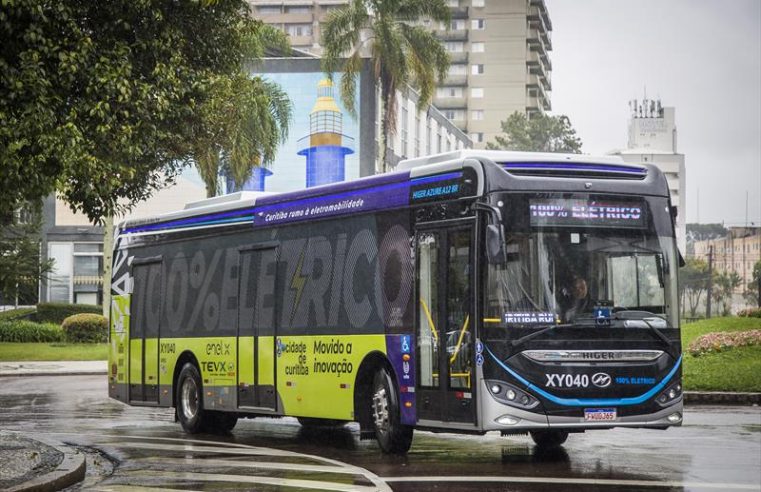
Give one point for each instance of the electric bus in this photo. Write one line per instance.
(467, 292)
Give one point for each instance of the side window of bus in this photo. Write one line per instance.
(145, 309)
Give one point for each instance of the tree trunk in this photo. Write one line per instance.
(108, 249)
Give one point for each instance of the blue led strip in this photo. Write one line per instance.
(236, 216)
(436, 178)
(564, 166)
(577, 402)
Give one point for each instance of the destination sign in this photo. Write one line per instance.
(559, 212)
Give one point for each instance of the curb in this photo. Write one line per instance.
(721, 398)
(69, 472)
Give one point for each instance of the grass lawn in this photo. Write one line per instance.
(53, 351)
(736, 369)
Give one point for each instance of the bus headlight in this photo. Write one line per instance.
(670, 395)
(511, 395)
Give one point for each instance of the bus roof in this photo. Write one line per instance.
(379, 191)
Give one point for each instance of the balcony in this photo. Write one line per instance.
(540, 19)
(459, 12)
(456, 80)
(451, 102)
(458, 56)
(535, 41)
(453, 35)
(535, 64)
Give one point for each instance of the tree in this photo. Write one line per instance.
(751, 291)
(540, 133)
(99, 100)
(402, 52)
(724, 285)
(247, 119)
(693, 282)
(20, 265)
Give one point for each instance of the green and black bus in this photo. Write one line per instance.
(470, 291)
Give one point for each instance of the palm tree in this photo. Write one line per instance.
(402, 52)
(245, 120)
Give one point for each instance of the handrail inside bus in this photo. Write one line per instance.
(459, 340)
(430, 320)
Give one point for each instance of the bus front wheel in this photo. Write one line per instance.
(549, 439)
(393, 436)
(189, 396)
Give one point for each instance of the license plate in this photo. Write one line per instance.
(599, 414)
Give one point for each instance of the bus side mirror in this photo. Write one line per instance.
(495, 245)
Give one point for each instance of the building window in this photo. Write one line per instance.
(477, 92)
(477, 69)
(298, 29)
(78, 273)
(438, 143)
(405, 126)
(478, 3)
(477, 24)
(453, 3)
(457, 25)
(477, 137)
(449, 92)
(417, 133)
(458, 70)
(268, 10)
(453, 114)
(477, 47)
(428, 136)
(454, 46)
(477, 114)
(298, 10)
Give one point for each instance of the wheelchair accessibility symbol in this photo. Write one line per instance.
(405, 344)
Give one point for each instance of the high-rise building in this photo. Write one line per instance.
(500, 64)
(499, 51)
(652, 139)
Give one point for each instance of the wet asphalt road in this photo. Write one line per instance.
(131, 448)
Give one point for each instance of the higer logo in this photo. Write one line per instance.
(601, 380)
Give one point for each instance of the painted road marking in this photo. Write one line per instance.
(247, 464)
(577, 481)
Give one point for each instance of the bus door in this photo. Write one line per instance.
(256, 327)
(444, 320)
(145, 330)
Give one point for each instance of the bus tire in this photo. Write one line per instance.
(221, 422)
(548, 439)
(189, 396)
(392, 436)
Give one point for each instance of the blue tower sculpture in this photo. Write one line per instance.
(254, 183)
(327, 146)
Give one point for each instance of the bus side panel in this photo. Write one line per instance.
(117, 350)
(316, 374)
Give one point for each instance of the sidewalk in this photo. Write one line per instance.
(38, 464)
(53, 368)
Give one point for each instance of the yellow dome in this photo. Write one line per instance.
(325, 101)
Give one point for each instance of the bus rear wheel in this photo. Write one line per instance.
(548, 439)
(393, 436)
(189, 399)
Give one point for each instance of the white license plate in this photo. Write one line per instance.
(599, 414)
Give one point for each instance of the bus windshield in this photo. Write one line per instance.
(580, 259)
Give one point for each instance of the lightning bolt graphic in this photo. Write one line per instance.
(298, 281)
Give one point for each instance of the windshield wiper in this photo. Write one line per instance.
(640, 316)
(544, 329)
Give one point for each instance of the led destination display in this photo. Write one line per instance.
(559, 212)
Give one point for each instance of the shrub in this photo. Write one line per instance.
(56, 312)
(24, 331)
(17, 313)
(85, 328)
(720, 341)
(750, 313)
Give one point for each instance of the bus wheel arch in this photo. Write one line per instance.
(376, 383)
(184, 358)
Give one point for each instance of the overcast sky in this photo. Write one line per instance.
(701, 57)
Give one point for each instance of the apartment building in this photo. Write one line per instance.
(499, 51)
(500, 64)
(737, 252)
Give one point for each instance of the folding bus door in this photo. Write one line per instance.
(256, 327)
(446, 389)
(145, 330)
